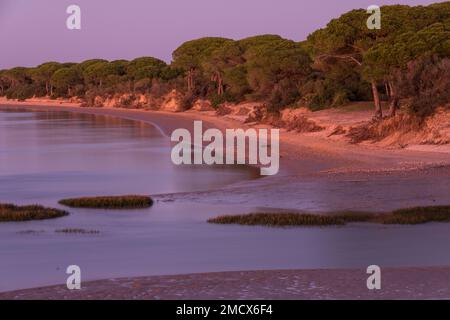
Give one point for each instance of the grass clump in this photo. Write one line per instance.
(379, 130)
(109, 202)
(418, 215)
(77, 231)
(354, 216)
(11, 212)
(30, 232)
(409, 216)
(278, 219)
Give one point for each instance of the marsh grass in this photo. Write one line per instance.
(418, 215)
(77, 231)
(109, 202)
(30, 232)
(278, 219)
(407, 216)
(11, 212)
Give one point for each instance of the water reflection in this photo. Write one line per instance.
(47, 155)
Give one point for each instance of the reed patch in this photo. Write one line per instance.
(77, 231)
(408, 216)
(10, 212)
(109, 202)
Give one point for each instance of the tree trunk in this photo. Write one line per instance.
(46, 88)
(393, 104)
(219, 85)
(386, 88)
(190, 80)
(376, 101)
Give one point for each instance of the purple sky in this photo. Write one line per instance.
(34, 31)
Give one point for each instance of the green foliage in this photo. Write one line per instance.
(406, 34)
(277, 70)
(65, 79)
(24, 92)
(85, 64)
(192, 57)
(120, 67)
(260, 40)
(17, 83)
(191, 54)
(170, 73)
(217, 100)
(4, 83)
(42, 75)
(337, 86)
(97, 73)
(342, 62)
(18, 76)
(145, 67)
(236, 83)
(426, 81)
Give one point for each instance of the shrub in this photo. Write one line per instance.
(187, 100)
(303, 124)
(217, 100)
(426, 82)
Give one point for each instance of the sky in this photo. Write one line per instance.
(34, 31)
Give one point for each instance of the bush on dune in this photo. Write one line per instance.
(377, 131)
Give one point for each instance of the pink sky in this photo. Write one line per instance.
(32, 32)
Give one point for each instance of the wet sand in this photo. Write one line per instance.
(396, 283)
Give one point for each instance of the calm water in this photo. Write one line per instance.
(46, 156)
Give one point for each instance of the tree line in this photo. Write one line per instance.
(406, 60)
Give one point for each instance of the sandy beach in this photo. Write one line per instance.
(342, 156)
(304, 157)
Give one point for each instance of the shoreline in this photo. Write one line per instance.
(346, 157)
(304, 158)
(334, 284)
(309, 160)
